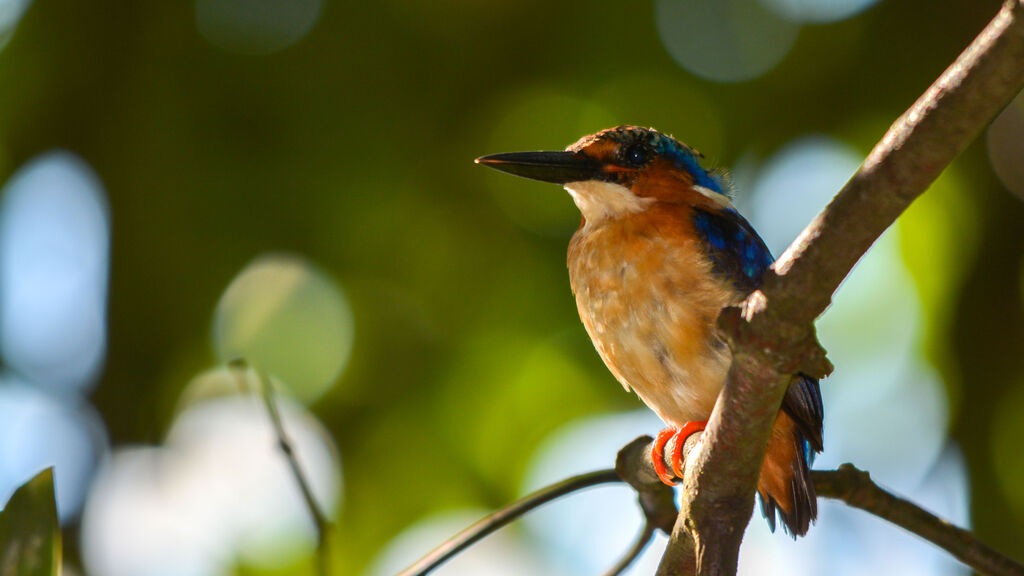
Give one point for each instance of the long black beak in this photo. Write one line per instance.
(556, 167)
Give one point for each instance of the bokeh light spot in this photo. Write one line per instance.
(220, 492)
(216, 383)
(724, 40)
(38, 431)
(818, 11)
(230, 445)
(134, 525)
(794, 185)
(500, 554)
(54, 244)
(586, 532)
(1005, 140)
(288, 318)
(10, 13)
(255, 26)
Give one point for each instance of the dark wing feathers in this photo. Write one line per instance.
(803, 403)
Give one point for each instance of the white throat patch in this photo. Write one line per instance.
(599, 200)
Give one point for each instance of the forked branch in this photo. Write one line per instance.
(772, 334)
(634, 467)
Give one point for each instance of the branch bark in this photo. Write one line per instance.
(855, 488)
(634, 467)
(772, 334)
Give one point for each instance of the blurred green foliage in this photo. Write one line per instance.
(29, 535)
(354, 148)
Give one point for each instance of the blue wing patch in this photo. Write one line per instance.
(736, 251)
(739, 255)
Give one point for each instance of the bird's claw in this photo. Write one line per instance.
(676, 457)
(657, 455)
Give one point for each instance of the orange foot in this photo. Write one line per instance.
(658, 450)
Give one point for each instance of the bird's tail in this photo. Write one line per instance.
(785, 482)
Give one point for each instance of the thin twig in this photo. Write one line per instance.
(320, 521)
(855, 488)
(634, 551)
(496, 520)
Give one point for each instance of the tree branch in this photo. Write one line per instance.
(772, 335)
(634, 467)
(856, 488)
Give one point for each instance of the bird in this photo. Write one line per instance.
(659, 252)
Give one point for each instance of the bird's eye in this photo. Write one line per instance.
(635, 155)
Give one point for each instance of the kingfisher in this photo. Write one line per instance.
(659, 252)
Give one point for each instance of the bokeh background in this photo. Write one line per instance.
(292, 181)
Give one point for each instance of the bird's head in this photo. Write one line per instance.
(620, 171)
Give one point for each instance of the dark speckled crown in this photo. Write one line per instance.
(684, 157)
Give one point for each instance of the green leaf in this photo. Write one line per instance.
(29, 534)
